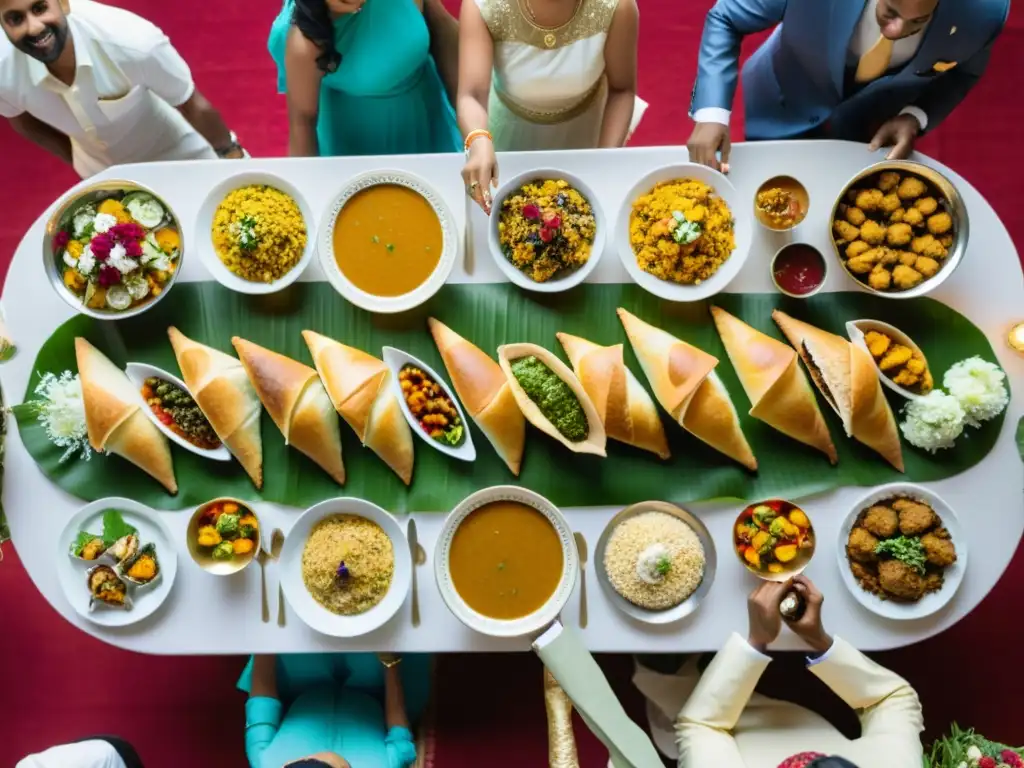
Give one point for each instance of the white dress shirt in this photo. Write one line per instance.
(121, 106)
(865, 35)
(84, 754)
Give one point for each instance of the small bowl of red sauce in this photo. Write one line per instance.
(799, 270)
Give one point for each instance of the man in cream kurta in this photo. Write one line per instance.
(99, 86)
(719, 721)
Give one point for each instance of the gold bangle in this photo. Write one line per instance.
(391, 662)
(474, 135)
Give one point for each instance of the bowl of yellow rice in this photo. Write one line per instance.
(547, 230)
(683, 234)
(255, 233)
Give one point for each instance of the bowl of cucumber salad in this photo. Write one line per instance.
(112, 249)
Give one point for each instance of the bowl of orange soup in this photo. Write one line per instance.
(387, 241)
(506, 561)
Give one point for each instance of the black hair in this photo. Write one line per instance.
(313, 20)
(831, 762)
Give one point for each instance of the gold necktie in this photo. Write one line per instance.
(875, 61)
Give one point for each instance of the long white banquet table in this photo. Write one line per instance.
(209, 615)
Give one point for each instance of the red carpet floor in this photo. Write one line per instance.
(58, 684)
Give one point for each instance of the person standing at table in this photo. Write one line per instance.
(94, 752)
(99, 86)
(363, 77)
(878, 71)
(544, 74)
(720, 721)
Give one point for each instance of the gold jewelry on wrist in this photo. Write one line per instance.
(474, 135)
(394, 661)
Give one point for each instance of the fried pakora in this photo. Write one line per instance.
(913, 217)
(868, 199)
(915, 517)
(855, 215)
(906, 258)
(940, 223)
(905, 278)
(897, 216)
(926, 205)
(939, 550)
(878, 344)
(898, 234)
(872, 233)
(926, 266)
(861, 545)
(888, 181)
(879, 278)
(927, 245)
(896, 357)
(889, 203)
(844, 230)
(910, 188)
(900, 580)
(881, 521)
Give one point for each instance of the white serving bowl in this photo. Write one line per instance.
(543, 616)
(954, 574)
(138, 373)
(741, 213)
(856, 329)
(568, 280)
(420, 294)
(204, 228)
(396, 359)
(308, 609)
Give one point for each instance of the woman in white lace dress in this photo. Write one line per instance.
(544, 74)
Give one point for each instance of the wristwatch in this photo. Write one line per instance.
(234, 146)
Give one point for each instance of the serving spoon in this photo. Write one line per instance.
(276, 545)
(581, 546)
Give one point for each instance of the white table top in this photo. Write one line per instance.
(210, 615)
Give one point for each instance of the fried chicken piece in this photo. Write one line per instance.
(897, 216)
(906, 258)
(910, 188)
(880, 278)
(872, 233)
(939, 551)
(926, 266)
(906, 277)
(898, 234)
(882, 521)
(913, 217)
(844, 230)
(926, 205)
(900, 580)
(862, 264)
(855, 215)
(867, 577)
(933, 581)
(906, 378)
(889, 256)
(888, 181)
(856, 248)
(896, 358)
(940, 223)
(927, 245)
(861, 545)
(915, 517)
(868, 200)
(916, 365)
(889, 203)
(878, 343)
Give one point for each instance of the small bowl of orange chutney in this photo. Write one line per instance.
(506, 562)
(387, 241)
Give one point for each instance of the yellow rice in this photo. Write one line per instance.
(280, 229)
(651, 224)
(367, 552)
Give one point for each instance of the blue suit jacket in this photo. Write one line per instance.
(794, 83)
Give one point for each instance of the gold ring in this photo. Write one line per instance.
(471, 189)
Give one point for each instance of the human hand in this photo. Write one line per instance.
(763, 612)
(481, 172)
(705, 141)
(809, 626)
(899, 132)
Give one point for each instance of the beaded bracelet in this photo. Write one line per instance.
(474, 135)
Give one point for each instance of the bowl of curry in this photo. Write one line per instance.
(506, 562)
(388, 241)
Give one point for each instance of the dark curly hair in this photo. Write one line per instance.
(313, 20)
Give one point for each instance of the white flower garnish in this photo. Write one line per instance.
(86, 262)
(69, 259)
(103, 222)
(62, 413)
(121, 261)
(82, 220)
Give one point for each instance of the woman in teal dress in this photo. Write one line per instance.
(334, 710)
(361, 78)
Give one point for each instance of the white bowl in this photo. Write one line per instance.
(138, 373)
(204, 229)
(954, 574)
(415, 297)
(396, 359)
(566, 281)
(308, 609)
(856, 329)
(543, 616)
(741, 213)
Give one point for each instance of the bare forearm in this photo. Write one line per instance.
(43, 135)
(444, 45)
(202, 116)
(472, 112)
(302, 139)
(618, 114)
(394, 699)
(264, 677)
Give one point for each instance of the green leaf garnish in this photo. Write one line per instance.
(663, 566)
(83, 538)
(906, 549)
(114, 527)
(390, 247)
(375, 239)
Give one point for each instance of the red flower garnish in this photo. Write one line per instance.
(101, 245)
(531, 212)
(124, 233)
(133, 248)
(546, 234)
(61, 240)
(108, 276)
(987, 762)
(801, 760)
(1011, 758)
(553, 222)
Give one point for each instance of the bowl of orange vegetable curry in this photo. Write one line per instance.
(223, 536)
(774, 539)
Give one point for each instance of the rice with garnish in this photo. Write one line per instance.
(367, 553)
(259, 233)
(680, 557)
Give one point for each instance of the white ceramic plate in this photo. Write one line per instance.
(72, 572)
(204, 228)
(741, 212)
(138, 373)
(308, 609)
(546, 614)
(954, 574)
(564, 282)
(388, 304)
(855, 330)
(396, 359)
(691, 603)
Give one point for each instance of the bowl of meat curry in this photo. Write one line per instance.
(899, 229)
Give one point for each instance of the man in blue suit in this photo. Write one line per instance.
(864, 70)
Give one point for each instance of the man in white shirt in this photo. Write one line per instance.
(719, 721)
(105, 752)
(98, 86)
(863, 70)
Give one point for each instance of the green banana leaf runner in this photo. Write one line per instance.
(489, 315)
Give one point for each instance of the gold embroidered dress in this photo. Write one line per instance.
(548, 88)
